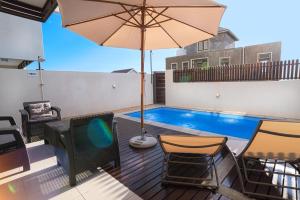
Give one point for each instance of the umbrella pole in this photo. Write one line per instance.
(142, 81)
(143, 30)
(143, 141)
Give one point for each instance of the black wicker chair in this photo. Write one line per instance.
(91, 142)
(35, 126)
(13, 152)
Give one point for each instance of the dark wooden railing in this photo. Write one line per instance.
(280, 70)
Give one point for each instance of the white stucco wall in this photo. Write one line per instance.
(76, 93)
(20, 38)
(16, 87)
(268, 98)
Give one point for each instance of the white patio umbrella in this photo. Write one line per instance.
(142, 25)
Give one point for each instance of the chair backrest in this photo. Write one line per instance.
(209, 145)
(37, 109)
(275, 140)
(26, 104)
(91, 134)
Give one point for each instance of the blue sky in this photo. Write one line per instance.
(253, 22)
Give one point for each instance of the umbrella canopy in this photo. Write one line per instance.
(143, 25)
(117, 23)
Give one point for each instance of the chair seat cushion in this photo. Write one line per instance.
(43, 119)
(38, 110)
(278, 140)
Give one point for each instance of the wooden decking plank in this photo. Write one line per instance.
(252, 176)
(128, 166)
(230, 181)
(140, 155)
(132, 165)
(230, 178)
(138, 176)
(223, 198)
(152, 192)
(176, 194)
(264, 178)
(184, 193)
(202, 195)
(125, 154)
(162, 194)
(219, 158)
(149, 185)
(135, 155)
(189, 194)
(156, 181)
(141, 177)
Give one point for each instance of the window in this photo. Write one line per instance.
(185, 65)
(224, 61)
(264, 57)
(205, 44)
(202, 45)
(174, 66)
(200, 63)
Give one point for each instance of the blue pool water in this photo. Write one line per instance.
(225, 124)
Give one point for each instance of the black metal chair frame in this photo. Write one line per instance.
(244, 169)
(15, 151)
(27, 125)
(209, 162)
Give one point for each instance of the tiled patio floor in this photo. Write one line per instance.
(46, 180)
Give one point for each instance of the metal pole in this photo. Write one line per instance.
(142, 70)
(41, 77)
(39, 63)
(151, 66)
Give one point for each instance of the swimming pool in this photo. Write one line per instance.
(224, 124)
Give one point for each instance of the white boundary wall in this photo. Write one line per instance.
(76, 93)
(263, 98)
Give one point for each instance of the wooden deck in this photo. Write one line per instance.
(141, 170)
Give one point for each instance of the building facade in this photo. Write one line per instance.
(21, 41)
(220, 50)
